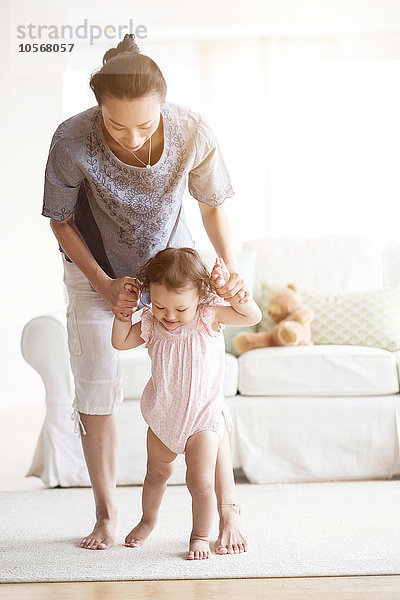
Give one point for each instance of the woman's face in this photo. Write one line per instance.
(131, 122)
(173, 308)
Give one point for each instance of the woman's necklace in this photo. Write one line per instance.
(143, 163)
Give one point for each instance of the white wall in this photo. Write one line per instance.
(238, 63)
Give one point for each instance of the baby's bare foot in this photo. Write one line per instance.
(231, 539)
(199, 548)
(139, 534)
(102, 536)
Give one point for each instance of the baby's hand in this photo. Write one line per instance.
(219, 274)
(234, 288)
(133, 288)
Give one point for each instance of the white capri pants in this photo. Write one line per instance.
(94, 362)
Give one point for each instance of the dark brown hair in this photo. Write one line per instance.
(127, 74)
(177, 268)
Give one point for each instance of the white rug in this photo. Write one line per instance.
(293, 530)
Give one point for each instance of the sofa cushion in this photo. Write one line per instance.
(136, 371)
(369, 318)
(318, 370)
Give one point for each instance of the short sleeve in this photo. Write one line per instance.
(147, 325)
(63, 178)
(208, 180)
(206, 312)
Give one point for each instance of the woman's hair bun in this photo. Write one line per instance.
(128, 44)
(127, 74)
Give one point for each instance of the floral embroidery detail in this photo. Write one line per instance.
(215, 199)
(61, 215)
(120, 183)
(140, 201)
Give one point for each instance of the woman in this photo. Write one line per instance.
(114, 182)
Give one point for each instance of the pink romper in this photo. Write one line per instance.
(185, 392)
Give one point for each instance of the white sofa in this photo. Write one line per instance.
(300, 414)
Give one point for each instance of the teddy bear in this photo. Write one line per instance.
(292, 318)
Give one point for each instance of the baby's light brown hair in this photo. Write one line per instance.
(177, 268)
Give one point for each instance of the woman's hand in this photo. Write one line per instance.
(228, 284)
(121, 295)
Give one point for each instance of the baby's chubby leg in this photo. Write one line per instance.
(159, 470)
(201, 455)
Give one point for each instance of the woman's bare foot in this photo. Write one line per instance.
(139, 534)
(230, 540)
(102, 536)
(199, 548)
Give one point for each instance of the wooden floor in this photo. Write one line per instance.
(20, 429)
(318, 588)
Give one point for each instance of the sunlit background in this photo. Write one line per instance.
(304, 98)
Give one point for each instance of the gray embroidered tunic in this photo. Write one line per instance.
(127, 214)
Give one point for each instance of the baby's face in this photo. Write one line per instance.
(173, 308)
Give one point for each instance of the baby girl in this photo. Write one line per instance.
(183, 402)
